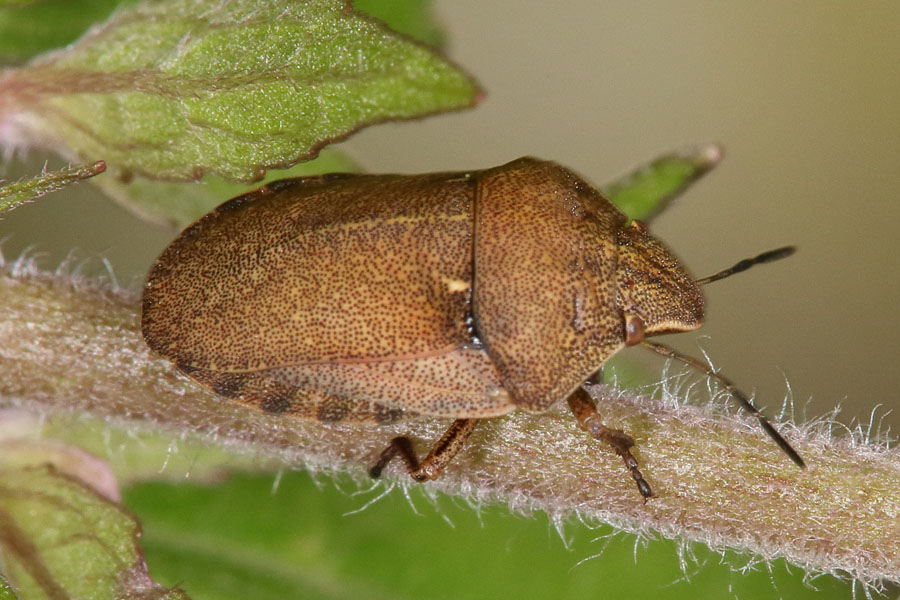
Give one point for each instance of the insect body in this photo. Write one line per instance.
(381, 297)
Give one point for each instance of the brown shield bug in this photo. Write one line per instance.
(381, 297)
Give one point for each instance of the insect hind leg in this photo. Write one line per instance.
(585, 411)
(433, 464)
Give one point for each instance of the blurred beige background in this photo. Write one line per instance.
(805, 97)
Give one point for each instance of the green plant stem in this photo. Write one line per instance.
(22, 192)
(70, 346)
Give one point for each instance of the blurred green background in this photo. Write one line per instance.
(804, 98)
(297, 539)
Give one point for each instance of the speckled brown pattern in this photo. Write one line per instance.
(545, 263)
(652, 283)
(326, 269)
(358, 297)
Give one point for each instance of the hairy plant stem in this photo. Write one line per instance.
(68, 346)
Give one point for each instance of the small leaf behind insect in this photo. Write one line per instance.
(29, 190)
(647, 190)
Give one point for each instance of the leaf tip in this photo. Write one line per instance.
(479, 95)
(704, 156)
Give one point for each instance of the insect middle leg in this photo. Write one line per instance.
(589, 419)
(439, 457)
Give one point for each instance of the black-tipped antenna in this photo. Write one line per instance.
(738, 394)
(745, 264)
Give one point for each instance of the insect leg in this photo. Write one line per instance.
(589, 419)
(439, 457)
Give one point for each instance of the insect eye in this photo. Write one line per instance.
(634, 329)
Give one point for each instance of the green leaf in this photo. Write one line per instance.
(411, 17)
(178, 204)
(647, 190)
(31, 26)
(262, 537)
(21, 192)
(60, 539)
(174, 88)
(28, 27)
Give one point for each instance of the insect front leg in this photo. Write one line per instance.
(439, 457)
(585, 411)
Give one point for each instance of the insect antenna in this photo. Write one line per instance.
(745, 264)
(735, 392)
